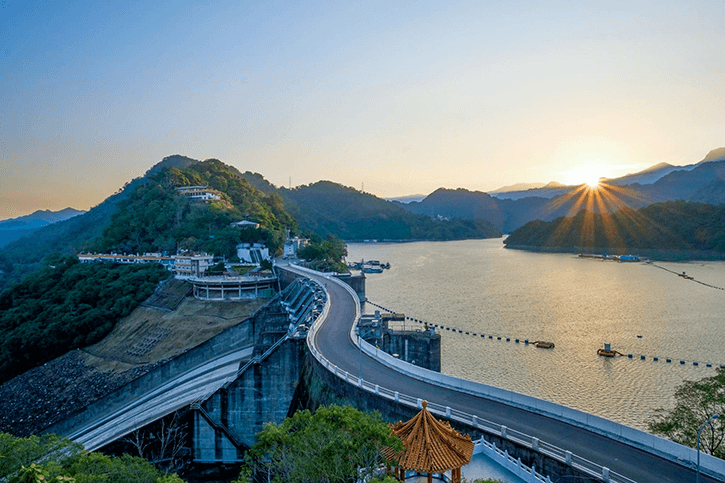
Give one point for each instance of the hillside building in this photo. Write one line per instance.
(245, 224)
(166, 261)
(292, 245)
(199, 193)
(192, 265)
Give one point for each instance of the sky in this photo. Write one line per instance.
(403, 97)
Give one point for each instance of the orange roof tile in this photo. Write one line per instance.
(431, 446)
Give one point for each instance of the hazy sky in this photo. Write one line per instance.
(405, 97)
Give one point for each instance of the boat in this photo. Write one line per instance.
(610, 353)
(543, 344)
(372, 270)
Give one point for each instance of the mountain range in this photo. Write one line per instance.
(701, 182)
(14, 228)
(149, 214)
(646, 176)
(154, 217)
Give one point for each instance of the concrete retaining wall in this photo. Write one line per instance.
(232, 339)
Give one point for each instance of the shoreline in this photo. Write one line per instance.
(651, 254)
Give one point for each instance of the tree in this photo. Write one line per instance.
(696, 401)
(161, 443)
(327, 255)
(18, 453)
(335, 443)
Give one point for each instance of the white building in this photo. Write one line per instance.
(167, 262)
(292, 245)
(201, 193)
(252, 253)
(192, 265)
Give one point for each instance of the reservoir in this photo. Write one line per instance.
(477, 286)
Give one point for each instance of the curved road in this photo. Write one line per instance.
(334, 343)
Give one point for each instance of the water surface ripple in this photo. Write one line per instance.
(579, 304)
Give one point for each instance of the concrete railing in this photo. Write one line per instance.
(634, 437)
(473, 421)
(526, 473)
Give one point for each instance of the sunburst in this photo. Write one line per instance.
(595, 197)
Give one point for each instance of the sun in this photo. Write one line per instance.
(592, 183)
(588, 174)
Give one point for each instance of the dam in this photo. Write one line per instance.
(251, 375)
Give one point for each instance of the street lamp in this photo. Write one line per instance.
(714, 416)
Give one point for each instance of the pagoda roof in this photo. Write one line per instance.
(431, 446)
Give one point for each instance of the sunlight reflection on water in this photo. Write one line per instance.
(478, 286)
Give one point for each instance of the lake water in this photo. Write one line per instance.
(579, 304)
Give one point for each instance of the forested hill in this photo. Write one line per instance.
(672, 225)
(157, 218)
(149, 215)
(330, 208)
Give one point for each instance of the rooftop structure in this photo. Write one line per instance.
(166, 261)
(233, 288)
(245, 224)
(184, 265)
(431, 446)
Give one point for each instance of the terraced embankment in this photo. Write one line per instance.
(165, 325)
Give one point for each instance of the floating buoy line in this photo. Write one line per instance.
(536, 343)
(606, 352)
(686, 277)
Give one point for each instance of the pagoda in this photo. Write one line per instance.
(431, 447)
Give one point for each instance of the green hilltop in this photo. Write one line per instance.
(672, 225)
(149, 214)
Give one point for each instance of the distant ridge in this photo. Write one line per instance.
(407, 199)
(549, 190)
(714, 155)
(517, 187)
(40, 218)
(14, 228)
(646, 176)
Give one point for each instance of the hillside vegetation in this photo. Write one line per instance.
(67, 305)
(672, 225)
(330, 208)
(148, 215)
(157, 218)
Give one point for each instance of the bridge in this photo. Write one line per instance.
(604, 450)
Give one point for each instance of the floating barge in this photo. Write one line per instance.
(616, 258)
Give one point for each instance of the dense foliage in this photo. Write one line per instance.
(67, 305)
(696, 401)
(331, 444)
(67, 237)
(157, 218)
(330, 208)
(325, 256)
(50, 459)
(672, 225)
